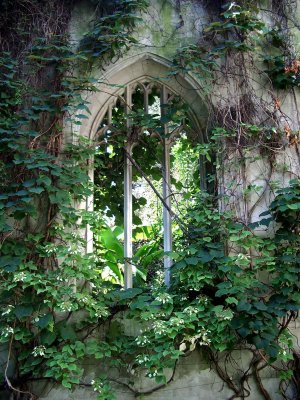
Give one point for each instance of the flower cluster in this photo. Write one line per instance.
(164, 298)
(39, 351)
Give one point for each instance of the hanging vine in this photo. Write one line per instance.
(218, 300)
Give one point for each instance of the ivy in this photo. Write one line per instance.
(217, 300)
(112, 34)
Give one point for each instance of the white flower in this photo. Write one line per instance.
(8, 330)
(142, 359)
(182, 347)
(158, 328)
(152, 374)
(142, 340)
(65, 306)
(19, 277)
(39, 351)
(8, 310)
(163, 298)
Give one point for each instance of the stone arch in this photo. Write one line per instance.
(113, 82)
(153, 67)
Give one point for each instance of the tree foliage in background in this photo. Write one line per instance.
(52, 296)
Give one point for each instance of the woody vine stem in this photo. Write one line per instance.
(218, 301)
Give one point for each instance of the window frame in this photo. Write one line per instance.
(126, 73)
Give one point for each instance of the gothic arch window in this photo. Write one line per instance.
(136, 113)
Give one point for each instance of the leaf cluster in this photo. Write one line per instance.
(52, 296)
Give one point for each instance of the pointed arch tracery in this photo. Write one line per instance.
(139, 78)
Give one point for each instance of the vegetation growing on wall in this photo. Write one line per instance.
(217, 300)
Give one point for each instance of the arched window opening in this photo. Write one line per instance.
(145, 171)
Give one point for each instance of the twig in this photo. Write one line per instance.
(7, 380)
(138, 393)
(138, 167)
(257, 377)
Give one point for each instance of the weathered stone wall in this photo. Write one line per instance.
(167, 26)
(195, 378)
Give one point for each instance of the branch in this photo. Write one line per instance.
(223, 375)
(138, 167)
(257, 377)
(7, 380)
(138, 393)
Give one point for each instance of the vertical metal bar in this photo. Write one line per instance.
(146, 100)
(166, 214)
(202, 174)
(128, 219)
(128, 201)
(90, 207)
(109, 114)
(167, 220)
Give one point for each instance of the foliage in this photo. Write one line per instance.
(235, 32)
(112, 33)
(54, 296)
(283, 74)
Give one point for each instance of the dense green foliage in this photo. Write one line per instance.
(230, 287)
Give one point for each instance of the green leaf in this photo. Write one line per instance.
(114, 268)
(260, 306)
(192, 260)
(243, 306)
(9, 264)
(44, 179)
(243, 332)
(126, 294)
(21, 193)
(82, 116)
(37, 190)
(44, 321)
(205, 256)
(67, 332)
(23, 311)
(28, 183)
(111, 242)
(66, 384)
(231, 300)
(295, 206)
(47, 338)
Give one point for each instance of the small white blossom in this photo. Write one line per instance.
(8, 310)
(142, 359)
(158, 328)
(19, 276)
(65, 306)
(152, 374)
(39, 351)
(7, 331)
(190, 311)
(142, 340)
(163, 298)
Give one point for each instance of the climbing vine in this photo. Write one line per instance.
(52, 295)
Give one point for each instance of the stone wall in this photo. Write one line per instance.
(195, 378)
(167, 26)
